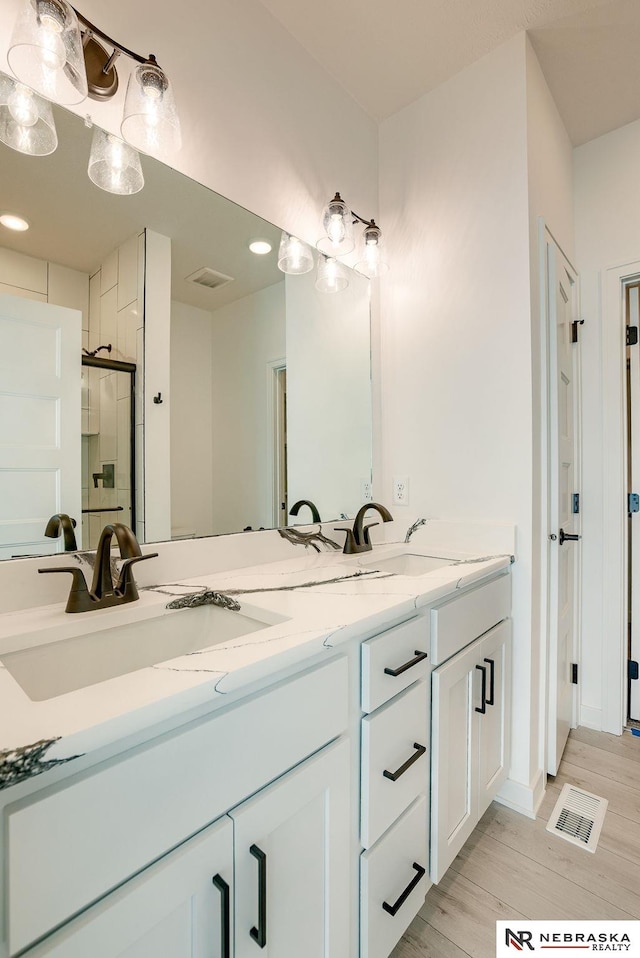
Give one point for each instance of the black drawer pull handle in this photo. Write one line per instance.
(397, 905)
(492, 681)
(483, 707)
(394, 776)
(419, 657)
(225, 915)
(259, 934)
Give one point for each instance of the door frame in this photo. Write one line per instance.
(273, 367)
(546, 240)
(615, 279)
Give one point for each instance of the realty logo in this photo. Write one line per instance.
(518, 939)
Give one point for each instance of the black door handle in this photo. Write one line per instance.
(483, 707)
(566, 537)
(225, 916)
(492, 680)
(419, 657)
(259, 933)
(397, 905)
(394, 776)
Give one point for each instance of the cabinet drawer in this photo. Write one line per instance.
(391, 872)
(401, 650)
(69, 847)
(459, 622)
(395, 742)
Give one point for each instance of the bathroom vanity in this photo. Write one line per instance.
(289, 790)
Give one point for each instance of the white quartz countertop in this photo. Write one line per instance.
(308, 604)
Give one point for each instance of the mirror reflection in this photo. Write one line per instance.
(252, 388)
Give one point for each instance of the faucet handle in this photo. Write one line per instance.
(350, 546)
(79, 597)
(365, 533)
(126, 583)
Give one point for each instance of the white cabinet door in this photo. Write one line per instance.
(292, 862)
(179, 908)
(454, 750)
(493, 727)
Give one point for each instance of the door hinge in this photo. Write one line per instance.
(632, 335)
(574, 329)
(574, 673)
(632, 669)
(633, 502)
(576, 503)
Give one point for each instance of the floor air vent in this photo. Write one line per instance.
(209, 278)
(578, 817)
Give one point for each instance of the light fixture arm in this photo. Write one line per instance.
(360, 219)
(93, 30)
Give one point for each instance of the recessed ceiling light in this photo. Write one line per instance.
(13, 222)
(261, 247)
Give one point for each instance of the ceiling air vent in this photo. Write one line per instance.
(208, 278)
(578, 817)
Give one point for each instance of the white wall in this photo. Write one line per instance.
(191, 421)
(247, 336)
(456, 335)
(328, 395)
(607, 236)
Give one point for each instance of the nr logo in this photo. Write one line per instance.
(518, 939)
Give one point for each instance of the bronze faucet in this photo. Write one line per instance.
(62, 523)
(295, 508)
(103, 593)
(358, 539)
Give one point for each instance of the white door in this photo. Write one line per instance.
(292, 862)
(180, 907)
(633, 353)
(563, 521)
(40, 460)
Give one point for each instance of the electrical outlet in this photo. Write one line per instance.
(400, 491)
(366, 493)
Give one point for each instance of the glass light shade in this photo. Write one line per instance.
(114, 166)
(26, 120)
(372, 263)
(337, 223)
(294, 256)
(45, 51)
(332, 275)
(150, 121)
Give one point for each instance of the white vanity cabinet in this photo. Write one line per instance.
(394, 811)
(271, 875)
(470, 716)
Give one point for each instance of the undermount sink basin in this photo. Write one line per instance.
(44, 671)
(409, 564)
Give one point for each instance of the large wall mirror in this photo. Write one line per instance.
(253, 386)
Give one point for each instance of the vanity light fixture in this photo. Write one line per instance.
(61, 55)
(338, 222)
(26, 120)
(114, 166)
(332, 275)
(294, 256)
(260, 247)
(12, 221)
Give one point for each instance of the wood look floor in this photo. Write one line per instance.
(511, 867)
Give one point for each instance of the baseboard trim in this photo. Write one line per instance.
(525, 799)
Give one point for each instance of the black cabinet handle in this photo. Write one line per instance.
(397, 905)
(225, 916)
(259, 934)
(419, 657)
(394, 776)
(492, 681)
(483, 707)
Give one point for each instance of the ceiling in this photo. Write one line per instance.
(386, 55)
